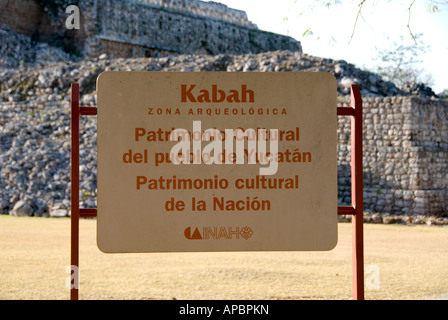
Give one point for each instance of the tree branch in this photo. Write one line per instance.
(356, 20)
(409, 21)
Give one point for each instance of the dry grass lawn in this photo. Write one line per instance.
(34, 252)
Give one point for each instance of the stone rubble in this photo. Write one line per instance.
(35, 120)
(20, 50)
(418, 89)
(51, 81)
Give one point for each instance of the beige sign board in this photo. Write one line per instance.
(172, 179)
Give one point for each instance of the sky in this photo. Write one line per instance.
(381, 24)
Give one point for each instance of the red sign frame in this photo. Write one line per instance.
(355, 210)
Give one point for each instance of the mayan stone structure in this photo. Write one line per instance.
(145, 28)
(405, 155)
(148, 27)
(405, 133)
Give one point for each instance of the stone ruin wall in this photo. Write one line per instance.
(30, 20)
(203, 9)
(405, 155)
(25, 17)
(141, 28)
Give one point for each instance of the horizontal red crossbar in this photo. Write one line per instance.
(87, 213)
(91, 212)
(346, 210)
(346, 111)
(87, 111)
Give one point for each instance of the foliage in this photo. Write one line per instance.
(399, 63)
(433, 6)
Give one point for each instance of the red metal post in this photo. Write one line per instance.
(357, 195)
(356, 209)
(74, 244)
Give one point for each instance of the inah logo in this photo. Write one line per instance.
(218, 233)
